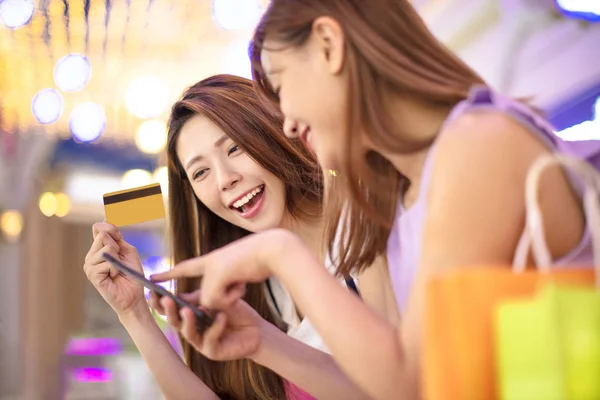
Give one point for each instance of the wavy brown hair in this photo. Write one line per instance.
(232, 104)
(388, 49)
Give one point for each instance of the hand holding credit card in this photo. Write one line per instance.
(133, 206)
(203, 320)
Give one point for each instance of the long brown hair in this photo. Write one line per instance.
(388, 50)
(232, 104)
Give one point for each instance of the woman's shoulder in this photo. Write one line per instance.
(487, 115)
(478, 174)
(485, 136)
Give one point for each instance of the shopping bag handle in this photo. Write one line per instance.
(534, 237)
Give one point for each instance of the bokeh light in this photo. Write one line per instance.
(63, 205)
(136, 177)
(87, 122)
(161, 175)
(90, 374)
(586, 130)
(236, 60)
(146, 97)
(11, 224)
(48, 204)
(72, 72)
(236, 14)
(151, 136)
(16, 13)
(582, 9)
(153, 265)
(47, 106)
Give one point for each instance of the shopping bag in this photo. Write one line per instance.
(548, 348)
(458, 356)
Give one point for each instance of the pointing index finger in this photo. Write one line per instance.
(191, 268)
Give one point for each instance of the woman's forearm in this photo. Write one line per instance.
(176, 380)
(308, 368)
(366, 347)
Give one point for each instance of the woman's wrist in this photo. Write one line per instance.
(139, 313)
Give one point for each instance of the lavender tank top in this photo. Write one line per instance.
(404, 243)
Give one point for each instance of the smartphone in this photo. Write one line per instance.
(203, 320)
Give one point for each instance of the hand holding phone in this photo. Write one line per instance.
(203, 320)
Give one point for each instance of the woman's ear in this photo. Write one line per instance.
(329, 40)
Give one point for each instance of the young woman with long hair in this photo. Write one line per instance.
(231, 172)
(431, 166)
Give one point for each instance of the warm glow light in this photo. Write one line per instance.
(47, 106)
(236, 60)
(236, 14)
(151, 137)
(11, 224)
(48, 204)
(161, 175)
(146, 97)
(87, 122)
(136, 177)
(16, 13)
(63, 204)
(72, 72)
(88, 186)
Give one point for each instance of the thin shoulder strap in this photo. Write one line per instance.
(484, 98)
(352, 285)
(272, 296)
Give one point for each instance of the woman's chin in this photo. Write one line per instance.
(258, 225)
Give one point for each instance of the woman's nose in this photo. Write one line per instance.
(227, 179)
(291, 128)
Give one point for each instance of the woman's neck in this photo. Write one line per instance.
(418, 121)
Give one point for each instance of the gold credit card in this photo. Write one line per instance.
(134, 206)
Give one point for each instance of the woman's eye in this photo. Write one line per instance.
(233, 149)
(198, 174)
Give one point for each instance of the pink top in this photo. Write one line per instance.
(295, 393)
(404, 242)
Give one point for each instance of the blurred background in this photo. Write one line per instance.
(85, 89)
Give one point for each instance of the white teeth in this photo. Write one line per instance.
(247, 197)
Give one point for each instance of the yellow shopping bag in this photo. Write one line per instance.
(548, 348)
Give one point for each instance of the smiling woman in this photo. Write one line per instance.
(232, 167)
(231, 172)
(227, 180)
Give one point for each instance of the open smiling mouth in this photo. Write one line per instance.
(249, 205)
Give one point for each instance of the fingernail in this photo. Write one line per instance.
(181, 313)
